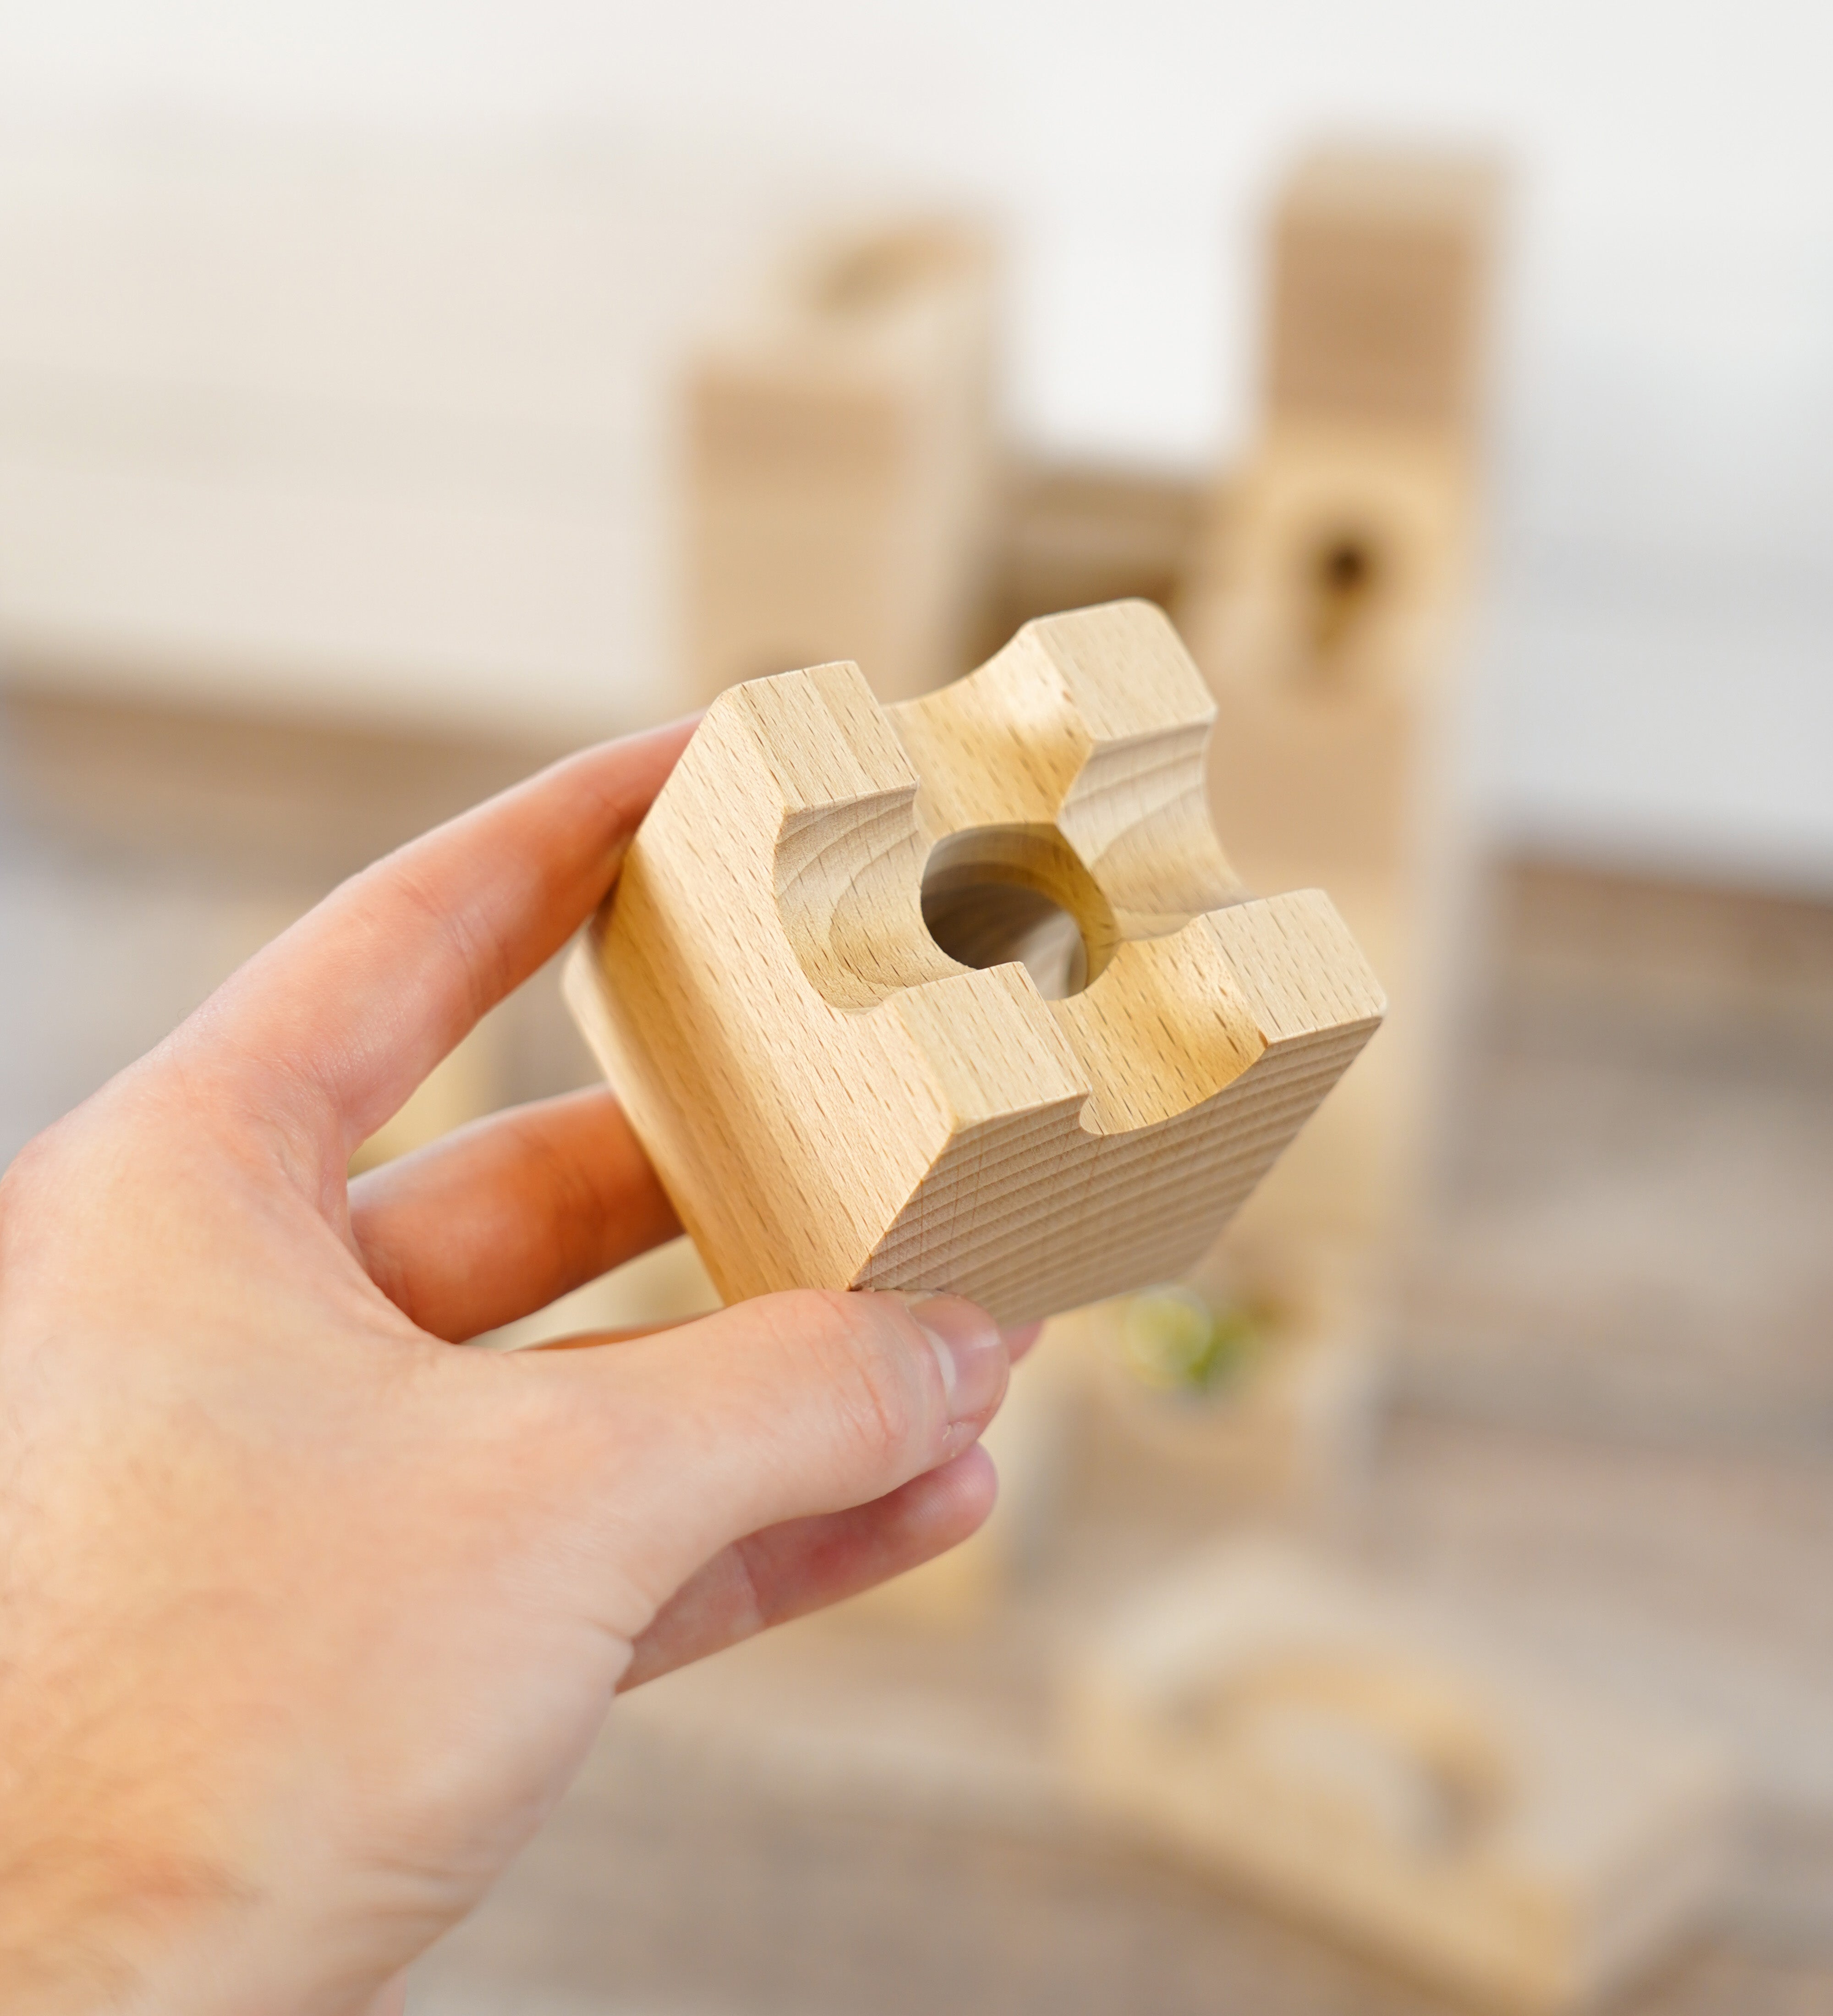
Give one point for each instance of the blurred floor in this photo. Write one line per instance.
(146, 852)
(1613, 1414)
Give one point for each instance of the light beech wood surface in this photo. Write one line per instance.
(1072, 1105)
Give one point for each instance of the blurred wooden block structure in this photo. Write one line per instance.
(1381, 277)
(1328, 623)
(840, 465)
(1367, 1764)
(1074, 534)
(957, 995)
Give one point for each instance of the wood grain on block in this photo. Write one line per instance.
(1362, 1761)
(959, 994)
(840, 465)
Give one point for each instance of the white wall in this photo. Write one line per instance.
(1662, 638)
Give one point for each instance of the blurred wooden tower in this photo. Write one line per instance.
(840, 465)
(1326, 619)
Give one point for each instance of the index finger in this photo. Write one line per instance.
(341, 1016)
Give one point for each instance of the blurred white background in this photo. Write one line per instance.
(333, 340)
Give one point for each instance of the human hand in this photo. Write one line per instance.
(306, 1618)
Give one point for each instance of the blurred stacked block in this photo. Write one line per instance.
(1327, 617)
(1370, 1764)
(839, 467)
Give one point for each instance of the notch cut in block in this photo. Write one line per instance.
(1365, 1761)
(816, 985)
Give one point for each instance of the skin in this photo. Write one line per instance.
(306, 1618)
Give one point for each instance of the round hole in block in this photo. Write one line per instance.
(1343, 574)
(998, 895)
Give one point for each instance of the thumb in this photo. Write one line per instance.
(782, 1407)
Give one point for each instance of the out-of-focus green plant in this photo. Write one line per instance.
(1176, 1340)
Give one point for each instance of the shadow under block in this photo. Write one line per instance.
(840, 465)
(832, 1100)
(1370, 1766)
(1381, 271)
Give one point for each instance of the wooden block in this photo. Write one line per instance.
(955, 995)
(839, 465)
(1073, 535)
(1254, 1392)
(1381, 266)
(1339, 575)
(1360, 1175)
(1331, 767)
(1367, 1764)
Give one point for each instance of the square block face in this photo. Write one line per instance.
(817, 984)
(1381, 270)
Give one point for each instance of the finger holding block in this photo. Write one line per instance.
(816, 985)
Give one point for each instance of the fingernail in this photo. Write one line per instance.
(1019, 1341)
(970, 1350)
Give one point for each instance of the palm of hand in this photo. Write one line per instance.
(306, 1618)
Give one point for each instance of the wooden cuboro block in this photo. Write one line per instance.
(960, 994)
(1369, 1761)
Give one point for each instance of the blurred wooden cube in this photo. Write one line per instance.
(1249, 1390)
(840, 465)
(1074, 535)
(1336, 585)
(1380, 279)
(1374, 1766)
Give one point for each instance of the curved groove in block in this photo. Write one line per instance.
(1167, 1029)
(848, 880)
(990, 891)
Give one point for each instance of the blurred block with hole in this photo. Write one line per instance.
(957, 995)
(1364, 1762)
(840, 464)
(1329, 614)
(1340, 576)
(1249, 1388)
